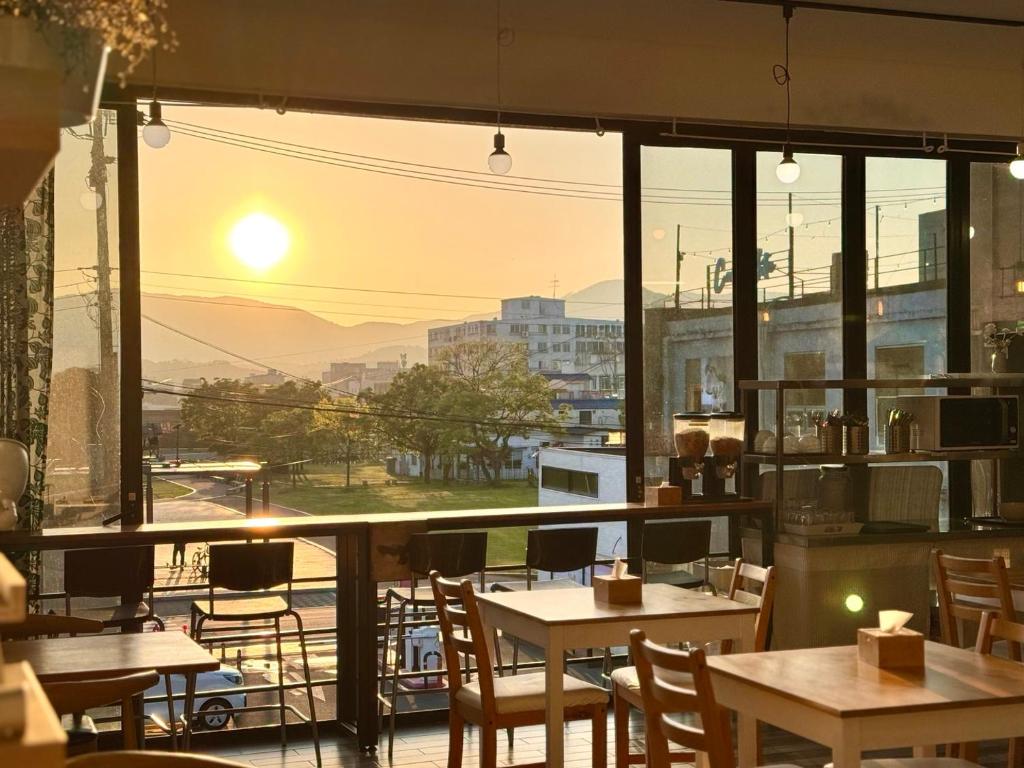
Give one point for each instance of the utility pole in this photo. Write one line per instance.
(105, 462)
(878, 253)
(789, 223)
(679, 260)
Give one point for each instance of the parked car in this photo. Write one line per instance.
(210, 711)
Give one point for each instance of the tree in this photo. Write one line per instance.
(496, 392)
(342, 435)
(413, 414)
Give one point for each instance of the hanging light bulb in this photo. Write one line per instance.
(794, 219)
(156, 134)
(970, 232)
(787, 171)
(499, 161)
(1017, 165)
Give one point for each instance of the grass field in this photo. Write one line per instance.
(162, 489)
(324, 493)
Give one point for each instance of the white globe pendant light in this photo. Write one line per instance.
(156, 134)
(788, 170)
(499, 161)
(1017, 165)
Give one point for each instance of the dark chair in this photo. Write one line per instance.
(257, 567)
(555, 550)
(453, 554)
(124, 572)
(676, 542)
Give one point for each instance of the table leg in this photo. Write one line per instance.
(190, 695)
(553, 698)
(172, 721)
(847, 754)
(746, 740)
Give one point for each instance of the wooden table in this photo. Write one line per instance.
(98, 656)
(557, 620)
(828, 696)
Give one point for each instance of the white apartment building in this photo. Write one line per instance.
(554, 343)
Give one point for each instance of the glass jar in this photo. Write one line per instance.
(833, 481)
(691, 434)
(727, 436)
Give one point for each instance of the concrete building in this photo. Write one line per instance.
(355, 377)
(554, 343)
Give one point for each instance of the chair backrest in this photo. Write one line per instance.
(993, 628)
(967, 587)
(753, 585)
(108, 572)
(77, 696)
(674, 542)
(134, 759)
(252, 566)
(661, 688)
(561, 550)
(40, 625)
(462, 632)
(450, 553)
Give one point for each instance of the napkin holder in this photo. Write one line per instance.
(663, 495)
(903, 649)
(626, 590)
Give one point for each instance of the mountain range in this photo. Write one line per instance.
(231, 336)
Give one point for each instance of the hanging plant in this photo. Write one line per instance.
(131, 28)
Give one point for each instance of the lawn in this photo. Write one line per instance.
(323, 492)
(164, 489)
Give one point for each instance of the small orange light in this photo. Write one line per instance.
(1018, 285)
(880, 308)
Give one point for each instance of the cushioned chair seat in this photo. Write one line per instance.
(525, 693)
(256, 607)
(520, 586)
(682, 579)
(916, 762)
(626, 678)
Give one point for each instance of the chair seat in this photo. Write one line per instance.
(522, 586)
(424, 597)
(116, 615)
(267, 607)
(525, 693)
(628, 684)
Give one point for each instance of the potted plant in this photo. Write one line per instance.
(53, 56)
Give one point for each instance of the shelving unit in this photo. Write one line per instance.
(750, 389)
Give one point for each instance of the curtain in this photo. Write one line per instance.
(26, 347)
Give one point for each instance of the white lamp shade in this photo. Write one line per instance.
(156, 134)
(787, 171)
(1017, 167)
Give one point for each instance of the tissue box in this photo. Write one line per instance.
(628, 589)
(891, 650)
(663, 495)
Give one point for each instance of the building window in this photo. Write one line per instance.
(586, 418)
(569, 481)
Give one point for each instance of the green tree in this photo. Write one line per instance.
(342, 435)
(496, 392)
(413, 415)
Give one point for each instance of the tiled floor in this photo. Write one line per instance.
(426, 747)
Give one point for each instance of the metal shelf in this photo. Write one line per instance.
(807, 459)
(944, 381)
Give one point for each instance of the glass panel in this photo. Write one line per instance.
(687, 294)
(799, 228)
(84, 439)
(997, 313)
(361, 308)
(906, 311)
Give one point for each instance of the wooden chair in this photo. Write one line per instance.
(751, 585)
(493, 702)
(74, 698)
(967, 588)
(993, 628)
(148, 760)
(45, 625)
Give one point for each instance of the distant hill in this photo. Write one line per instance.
(603, 301)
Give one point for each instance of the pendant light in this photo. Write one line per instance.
(499, 161)
(787, 171)
(1017, 164)
(155, 133)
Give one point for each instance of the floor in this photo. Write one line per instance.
(426, 747)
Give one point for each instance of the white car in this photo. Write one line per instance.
(210, 711)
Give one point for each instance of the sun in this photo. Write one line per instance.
(259, 240)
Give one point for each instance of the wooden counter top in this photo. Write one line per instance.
(327, 525)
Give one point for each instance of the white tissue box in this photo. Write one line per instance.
(627, 590)
(891, 650)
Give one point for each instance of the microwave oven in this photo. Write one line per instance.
(963, 422)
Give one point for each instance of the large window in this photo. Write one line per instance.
(688, 291)
(83, 442)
